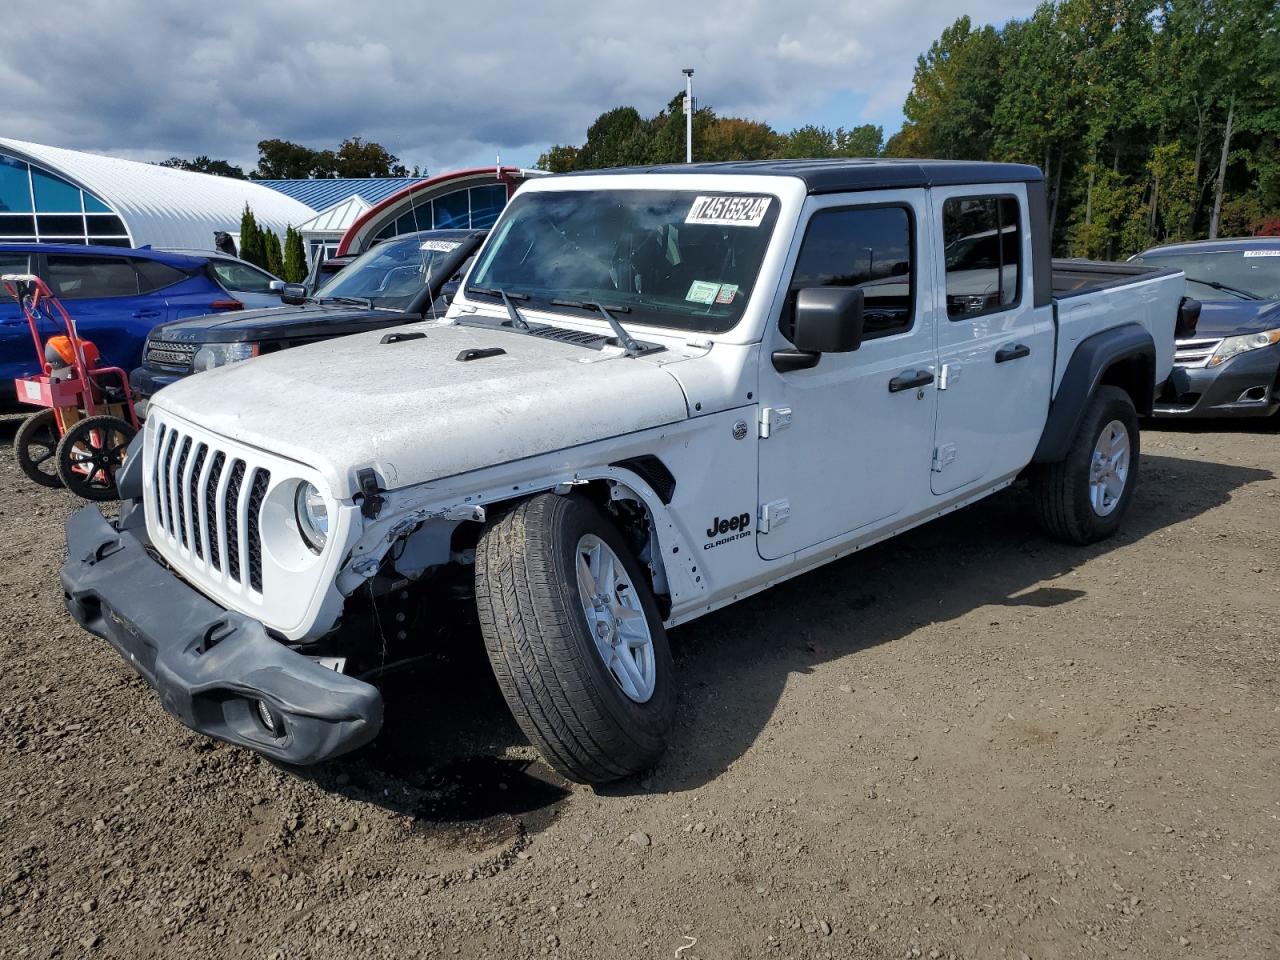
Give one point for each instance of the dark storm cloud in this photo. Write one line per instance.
(437, 84)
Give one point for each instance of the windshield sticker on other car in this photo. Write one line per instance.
(440, 246)
(728, 211)
(1262, 253)
(727, 293)
(700, 291)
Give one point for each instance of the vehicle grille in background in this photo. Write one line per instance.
(169, 353)
(1194, 353)
(192, 495)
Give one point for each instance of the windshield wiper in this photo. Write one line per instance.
(517, 319)
(358, 301)
(1222, 286)
(619, 331)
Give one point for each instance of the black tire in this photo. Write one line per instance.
(35, 447)
(563, 696)
(90, 453)
(1061, 491)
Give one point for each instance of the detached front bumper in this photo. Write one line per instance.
(1244, 386)
(212, 667)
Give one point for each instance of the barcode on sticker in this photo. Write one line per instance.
(732, 211)
(1262, 253)
(440, 246)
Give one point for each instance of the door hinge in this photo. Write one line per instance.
(948, 375)
(942, 456)
(773, 514)
(773, 419)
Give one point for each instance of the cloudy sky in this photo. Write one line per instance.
(443, 85)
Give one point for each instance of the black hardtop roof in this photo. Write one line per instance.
(843, 174)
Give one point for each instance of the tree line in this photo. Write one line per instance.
(285, 160)
(1153, 120)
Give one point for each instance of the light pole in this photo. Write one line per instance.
(688, 114)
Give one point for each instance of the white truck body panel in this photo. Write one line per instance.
(840, 460)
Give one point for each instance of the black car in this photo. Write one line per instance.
(1230, 366)
(406, 278)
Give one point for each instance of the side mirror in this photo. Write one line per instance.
(293, 294)
(1188, 317)
(276, 286)
(827, 320)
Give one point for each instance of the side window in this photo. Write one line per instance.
(12, 263)
(88, 278)
(866, 247)
(241, 278)
(983, 241)
(156, 276)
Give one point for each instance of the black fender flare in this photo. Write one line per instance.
(1088, 365)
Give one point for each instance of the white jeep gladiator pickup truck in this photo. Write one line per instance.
(659, 391)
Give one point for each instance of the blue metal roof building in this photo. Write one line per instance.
(322, 194)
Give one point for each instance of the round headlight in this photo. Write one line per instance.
(312, 515)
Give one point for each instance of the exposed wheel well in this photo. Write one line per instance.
(1135, 375)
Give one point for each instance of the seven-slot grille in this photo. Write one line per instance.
(170, 353)
(1194, 353)
(208, 502)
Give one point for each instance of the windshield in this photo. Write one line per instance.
(666, 258)
(392, 274)
(1246, 272)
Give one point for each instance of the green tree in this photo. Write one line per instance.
(559, 159)
(295, 257)
(251, 248)
(283, 160)
(202, 164)
(273, 256)
(617, 138)
(359, 158)
(732, 138)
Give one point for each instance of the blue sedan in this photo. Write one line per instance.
(117, 295)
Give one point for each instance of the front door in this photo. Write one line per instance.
(995, 347)
(849, 444)
(17, 352)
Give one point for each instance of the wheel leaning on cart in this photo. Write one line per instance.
(90, 453)
(35, 447)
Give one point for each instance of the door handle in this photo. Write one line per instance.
(146, 314)
(909, 380)
(1012, 352)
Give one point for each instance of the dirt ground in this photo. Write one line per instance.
(966, 742)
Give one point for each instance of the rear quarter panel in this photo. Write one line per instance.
(1152, 302)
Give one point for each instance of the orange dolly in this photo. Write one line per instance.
(79, 438)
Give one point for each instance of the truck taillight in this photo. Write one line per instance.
(226, 305)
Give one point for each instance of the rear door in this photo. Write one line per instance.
(17, 352)
(102, 295)
(995, 348)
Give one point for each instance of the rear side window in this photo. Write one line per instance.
(12, 263)
(241, 277)
(157, 275)
(983, 240)
(865, 247)
(89, 278)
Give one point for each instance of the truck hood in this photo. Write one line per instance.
(413, 411)
(275, 322)
(1231, 318)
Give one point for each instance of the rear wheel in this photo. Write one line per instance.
(35, 447)
(1083, 498)
(90, 453)
(575, 638)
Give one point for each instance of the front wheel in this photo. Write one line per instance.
(1083, 498)
(575, 638)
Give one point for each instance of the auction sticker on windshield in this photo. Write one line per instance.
(701, 291)
(728, 211)
(440, 246)
(1262, 253)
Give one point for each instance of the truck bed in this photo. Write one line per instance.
(1091, 296)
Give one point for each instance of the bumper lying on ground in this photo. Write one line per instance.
(1244, 386)
(212, 667)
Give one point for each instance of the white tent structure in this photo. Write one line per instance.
(66, 196)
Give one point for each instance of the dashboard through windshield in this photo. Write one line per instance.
(393, 273)
(666, 258)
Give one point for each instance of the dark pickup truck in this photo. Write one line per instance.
(408, 278)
